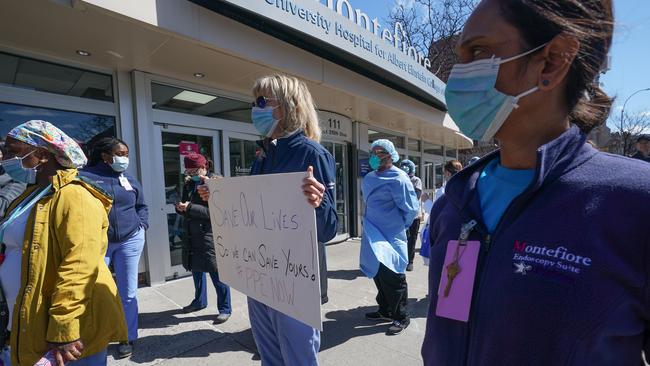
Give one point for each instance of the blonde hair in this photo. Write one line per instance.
(295, 101)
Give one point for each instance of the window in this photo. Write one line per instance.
(242, 155)
(48, 77)
(432, 149)
(450, 153)
(414, 146)
(171, 98)
(83, 127)
(428, 171)
(398, 141)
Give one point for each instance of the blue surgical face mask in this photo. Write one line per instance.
(263, 120)
(120, 163)
(474, 103)
(374, 162)
(14, 167)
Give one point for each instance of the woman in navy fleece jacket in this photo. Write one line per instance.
(563, 254)
(128, 221)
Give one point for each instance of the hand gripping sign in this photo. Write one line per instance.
(265, 242)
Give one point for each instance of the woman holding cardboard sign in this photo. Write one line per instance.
(283, 112)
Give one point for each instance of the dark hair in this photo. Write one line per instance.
(103, 145)
(591, 22)
(453, 166)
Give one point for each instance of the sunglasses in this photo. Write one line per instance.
(261, 101)
(379, 152)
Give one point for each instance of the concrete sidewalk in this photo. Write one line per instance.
(170, 337)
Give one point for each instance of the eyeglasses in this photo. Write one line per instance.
(261, 101)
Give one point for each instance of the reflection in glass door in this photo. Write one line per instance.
(175, 145)
(340, 153)
(242, 155)
(239, 151)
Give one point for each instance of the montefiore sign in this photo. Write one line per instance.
(396, 36)
(338, 23)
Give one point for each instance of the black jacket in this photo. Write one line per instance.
(198, 244)
(639, 156)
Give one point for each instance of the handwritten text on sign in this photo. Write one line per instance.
(265, 240)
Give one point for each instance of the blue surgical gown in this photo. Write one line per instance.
(391, 206)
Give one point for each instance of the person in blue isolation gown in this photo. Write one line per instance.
(391, 206)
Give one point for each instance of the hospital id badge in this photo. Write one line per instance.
(124, 182)
(457, 280)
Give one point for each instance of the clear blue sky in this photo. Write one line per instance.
(630, 67)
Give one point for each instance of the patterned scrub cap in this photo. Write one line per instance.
(44, 134)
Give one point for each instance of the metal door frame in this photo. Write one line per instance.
(160, 233)
(346, 188)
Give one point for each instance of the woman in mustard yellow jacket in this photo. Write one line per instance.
(66, 302)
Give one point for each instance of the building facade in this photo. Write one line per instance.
(174, 76)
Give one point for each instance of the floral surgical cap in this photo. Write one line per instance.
(45, 135)
(388, 146)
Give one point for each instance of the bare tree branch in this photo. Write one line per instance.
(432, 27)
(634, 125)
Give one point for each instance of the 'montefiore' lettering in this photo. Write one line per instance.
(559, 252)
(397, 38)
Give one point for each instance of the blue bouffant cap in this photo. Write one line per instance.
(388, 146)
(408, 166)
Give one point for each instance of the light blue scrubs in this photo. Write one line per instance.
(125, 257)
(282, 340)
(391, 206)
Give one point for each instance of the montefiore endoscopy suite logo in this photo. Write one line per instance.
(526, 257)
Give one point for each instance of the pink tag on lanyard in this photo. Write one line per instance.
(456, 304)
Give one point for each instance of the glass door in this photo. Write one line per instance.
(428, 178)
(432, 176)
(341, 194)
(175, 143)
(239, 151)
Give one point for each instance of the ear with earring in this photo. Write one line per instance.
(546, 82)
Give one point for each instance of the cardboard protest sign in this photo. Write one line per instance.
(266, 244)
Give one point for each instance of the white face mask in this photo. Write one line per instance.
(120, 163)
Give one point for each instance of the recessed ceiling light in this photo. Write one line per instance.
(83, 53)
(199, 75)
(115, 54)
(194, 97)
